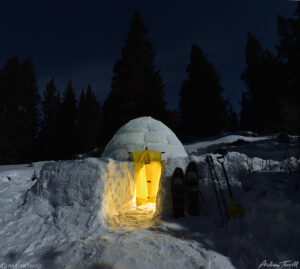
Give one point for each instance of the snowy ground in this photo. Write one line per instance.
(265, 181)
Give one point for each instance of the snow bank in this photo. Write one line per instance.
(150, 250)
(83, 194)
(192, 148)
(140, 133)
(19, 172)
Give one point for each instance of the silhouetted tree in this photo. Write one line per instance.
(48, 138)
(68, 124)
(289, 54)
(252, 76)
(173, 120)
(30, 99)
(202, 108)
(232, 119)
(9, 96)
(137, 88)
(246, 118)
(89, 121)
(19, 114)
(265, 81)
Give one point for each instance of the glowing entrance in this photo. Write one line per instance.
(147, 169)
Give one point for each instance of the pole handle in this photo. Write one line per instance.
(221, 159)
(209, 160)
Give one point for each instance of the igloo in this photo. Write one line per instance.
(150, 144)
(142, 150)
(140, 133)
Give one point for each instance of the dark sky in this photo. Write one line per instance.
(81, 40)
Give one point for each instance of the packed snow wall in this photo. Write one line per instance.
(85, 194)
(81, 194)
(119, 188)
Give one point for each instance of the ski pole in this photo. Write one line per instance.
(215, 189)
(211, 161)
(234, 209)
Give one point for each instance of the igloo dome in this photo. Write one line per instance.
(140, 133)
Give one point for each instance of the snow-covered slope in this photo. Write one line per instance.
(79, 214)
(192, 148)
(66, 219)
(57, 224)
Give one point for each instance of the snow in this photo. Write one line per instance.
(19, 173)
(192, 148)
(81, 213)
(59, 222)
(140, 133)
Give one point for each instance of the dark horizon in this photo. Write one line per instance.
(82, 43)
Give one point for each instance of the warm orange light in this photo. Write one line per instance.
(147, 168)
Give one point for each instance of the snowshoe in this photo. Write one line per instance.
(192, 189)
(177, 189)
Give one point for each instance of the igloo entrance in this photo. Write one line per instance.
(125, 194)
(147, 172)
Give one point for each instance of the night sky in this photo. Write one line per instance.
(82, 40)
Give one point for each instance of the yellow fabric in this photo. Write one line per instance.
(147, 168)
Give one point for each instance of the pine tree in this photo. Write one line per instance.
(9, 92)
(19, 119)
(48, 137)
(29, 102)
(265, 82)
(68, 124)
(246, 119)
(289, 54)
(137, 88)
(202, 107)
(89, 121)
(232, 119)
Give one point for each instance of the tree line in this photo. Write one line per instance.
(56, 125)
(271, 101)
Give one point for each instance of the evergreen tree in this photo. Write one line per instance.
(137, 88)
(265, 82)
(289, 54)
(232, 119)
(48, 138)
(9, 93)
(89, 121)
(246, 119)
(68, 124)
(202, 108)
(19, 114)
(30, 116)
(251, 76)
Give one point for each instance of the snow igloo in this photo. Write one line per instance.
(151, 151)
(133, 175)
